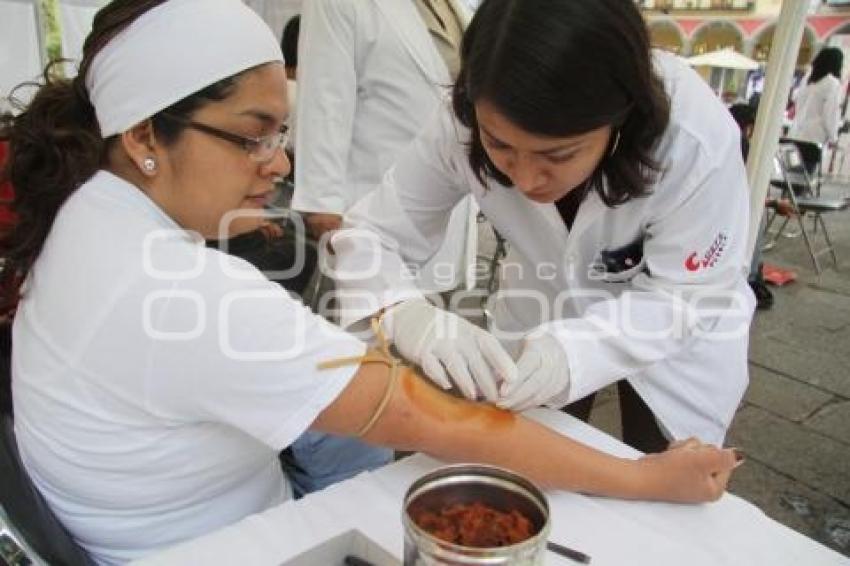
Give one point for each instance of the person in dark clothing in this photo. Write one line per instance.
(745, 116)
(278, 251)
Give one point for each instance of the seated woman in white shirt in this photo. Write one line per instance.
(155, 380)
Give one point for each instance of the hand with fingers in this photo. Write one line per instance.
(690, 471)
(449, 349)
(543, 375)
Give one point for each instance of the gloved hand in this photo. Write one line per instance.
(446, 346)
(543, 375)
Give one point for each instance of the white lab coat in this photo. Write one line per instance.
(698, 211)
(369, 79)
(817, 115)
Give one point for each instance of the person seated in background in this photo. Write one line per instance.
(745, 116)
(154, 389)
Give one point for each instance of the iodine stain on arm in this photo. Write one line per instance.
(446, 408)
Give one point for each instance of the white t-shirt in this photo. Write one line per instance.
(155, 380)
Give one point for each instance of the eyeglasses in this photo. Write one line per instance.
(260, 150)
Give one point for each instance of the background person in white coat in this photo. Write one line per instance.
(616, 176)
(817, 115)
(371, 73)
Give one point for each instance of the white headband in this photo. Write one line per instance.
(170, 52)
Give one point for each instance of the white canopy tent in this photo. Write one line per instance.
(780, 70)
(724, 59)
(20, 44)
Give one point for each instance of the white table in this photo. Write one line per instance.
(613, 532)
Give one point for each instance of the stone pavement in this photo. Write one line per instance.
(794, 422)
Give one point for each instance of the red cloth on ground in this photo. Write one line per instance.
(776, 275)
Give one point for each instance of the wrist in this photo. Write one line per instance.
(640, 479)
(557, 359)
(388, 317)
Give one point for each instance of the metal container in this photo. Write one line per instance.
(465, 483)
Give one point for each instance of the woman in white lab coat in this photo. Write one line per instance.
(817, 115)
(154, 380)
(616, 177)
(369, 77)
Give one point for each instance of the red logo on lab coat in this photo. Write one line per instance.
(694, 263)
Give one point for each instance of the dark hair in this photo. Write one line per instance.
(289, 41)
(55, 145)
(562, 68)
(827, 62)
(743, 114)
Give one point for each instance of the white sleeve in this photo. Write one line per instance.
(693, 284)
(253, 362)
(832, 113)
(327, 97)
(402, 223)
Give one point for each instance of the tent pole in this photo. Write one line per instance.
(780, 70)
(41, 28)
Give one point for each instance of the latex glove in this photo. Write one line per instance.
(449, 349)
(543, 375)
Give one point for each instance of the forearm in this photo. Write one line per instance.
(426, 419)
(409, 413)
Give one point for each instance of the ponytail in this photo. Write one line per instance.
(54, 147)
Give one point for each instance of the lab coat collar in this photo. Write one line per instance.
(463, 11)
(542, 219)
(589, 211)
(404, 17)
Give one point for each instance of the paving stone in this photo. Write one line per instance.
(833, 421)
(826, 371)
(783, 396)
(815, 320)
(793, 504)
(815, 460)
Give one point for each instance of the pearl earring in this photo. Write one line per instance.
(149, 164)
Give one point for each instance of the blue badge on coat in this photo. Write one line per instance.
(618, 265)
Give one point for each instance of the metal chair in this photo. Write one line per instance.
(26, 510)
(790, 174)
(811, 154)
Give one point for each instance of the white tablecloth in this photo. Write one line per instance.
(613, 532)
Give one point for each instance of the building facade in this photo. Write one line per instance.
(694, 27)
